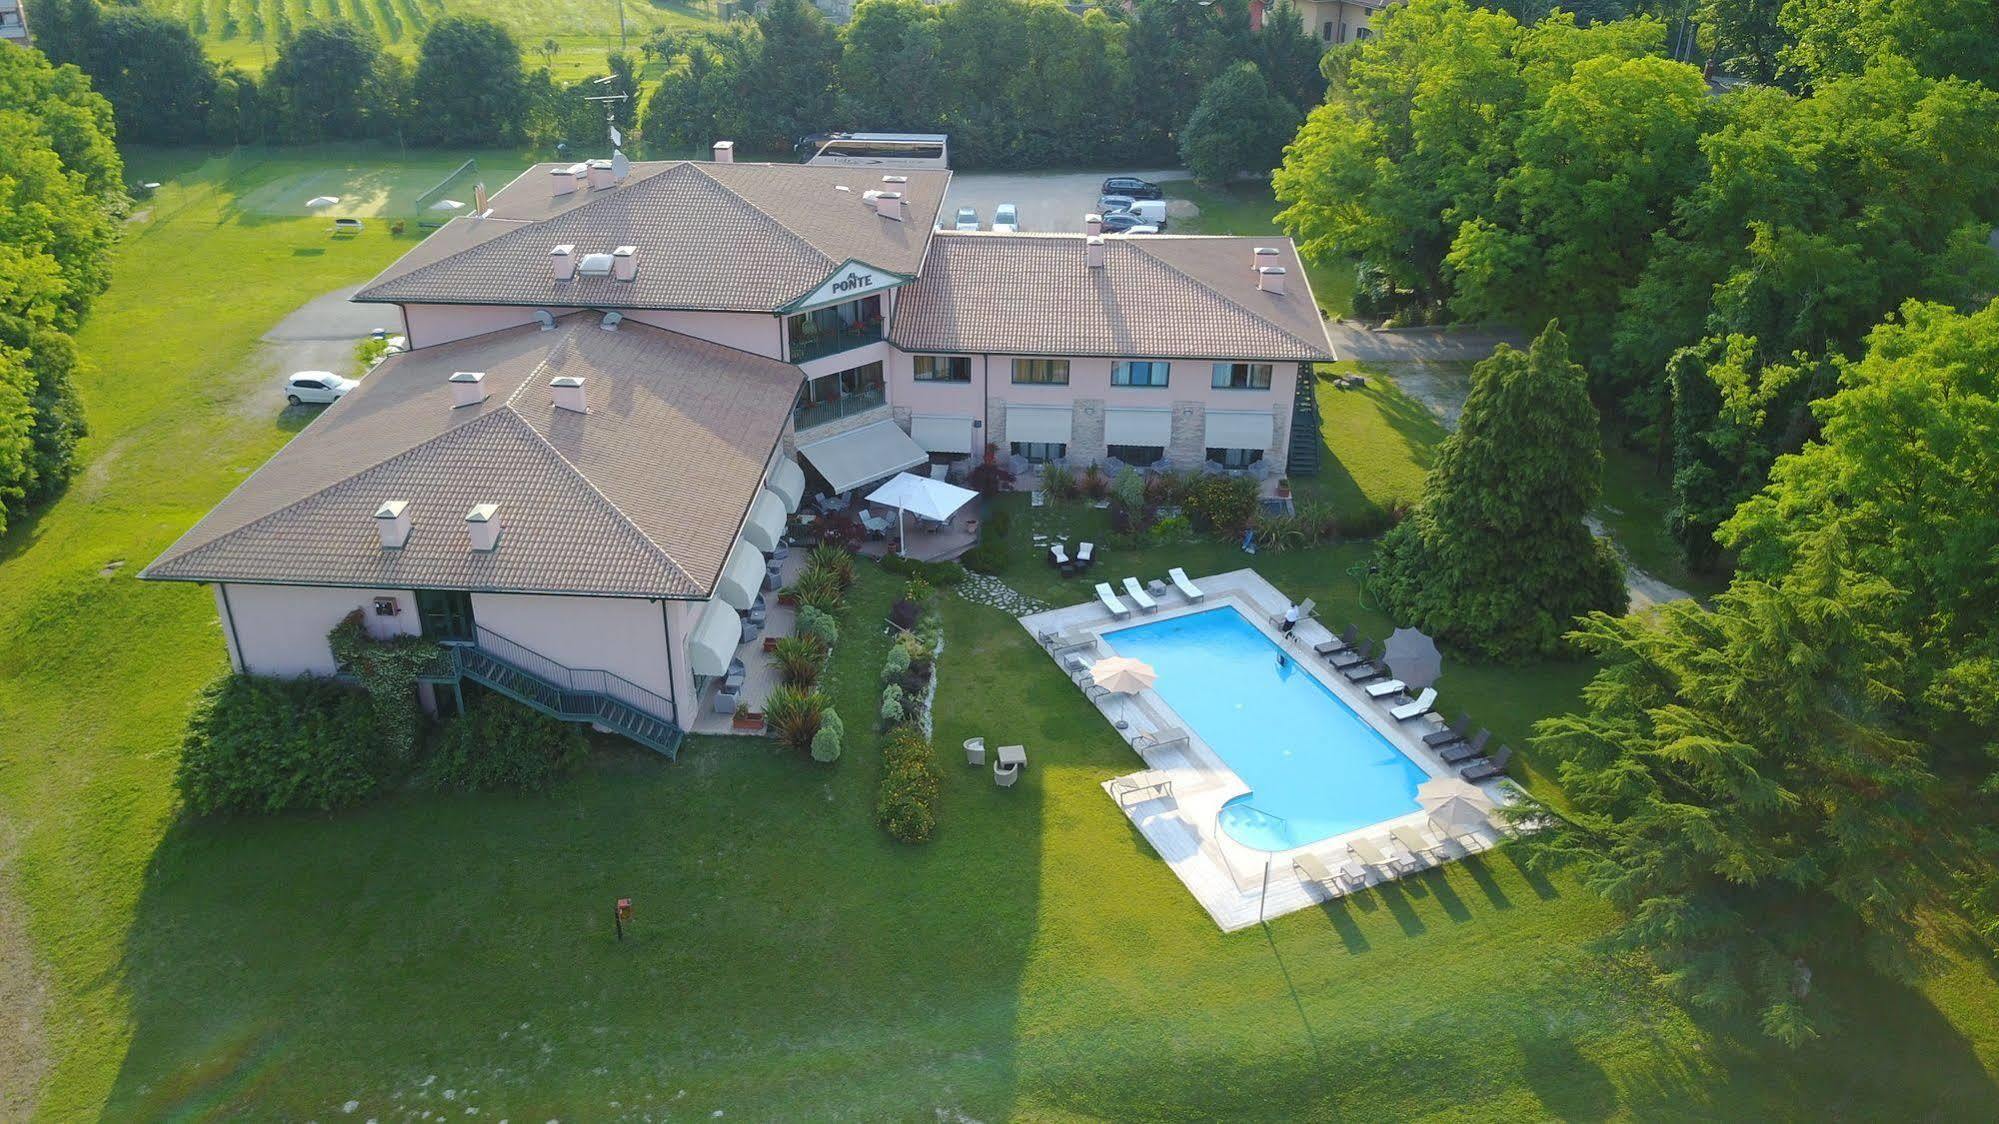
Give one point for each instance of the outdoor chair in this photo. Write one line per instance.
(1341, 643)
(1455, 732)
(1487, 769)
(1109, 601)
(1421, 706)
(1058, 556)
(1086, 554)
(1465, 751)
(1139, 597)
(1005, 775)
(1186, 587)
(1348, 876)
(975, 751)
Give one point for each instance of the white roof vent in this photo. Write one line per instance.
(611, 321)
(895, 179)
(594, 265)
(1093, 251)
(482, 525)
(888, 204)
(725, 152)
(392, 519)
(1270, 279)
(568, 392)
(1093, 223)
(545, 318)
(1262, 256)
(468, 388)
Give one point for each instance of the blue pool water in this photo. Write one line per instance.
(1314, 768)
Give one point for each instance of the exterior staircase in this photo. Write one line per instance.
(600, 698)
(1303, 457)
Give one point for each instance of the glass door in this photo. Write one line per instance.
(446, 615)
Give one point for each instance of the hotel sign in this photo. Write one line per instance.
(852, 280)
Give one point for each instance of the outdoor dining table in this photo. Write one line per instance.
(1013, 755)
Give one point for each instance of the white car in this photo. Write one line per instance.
(1006, 220)
(968, 219)
(316, 386)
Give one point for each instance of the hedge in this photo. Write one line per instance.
(906, 806)
(276, 745)
(499, 743)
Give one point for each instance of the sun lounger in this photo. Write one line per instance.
(1421, 706)
(1370, 853)
(1337, 644)
(1187, 588)
(1487, 769)
(1086, 554)
(1139, 597)
(1385, 688)
(1140, 787)
(1109, 601)
(1159, 739)
(1365, 672)
(1353, 656)
(1465, 751)
(1451, 734)
(1058, 557)
(1409, 837)
(1347, 876)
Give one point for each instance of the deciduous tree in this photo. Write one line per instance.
(469, 86)
(1240, 127)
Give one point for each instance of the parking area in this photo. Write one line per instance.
(1047, 201)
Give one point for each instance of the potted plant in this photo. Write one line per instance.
(1284, 487)
(747, 719)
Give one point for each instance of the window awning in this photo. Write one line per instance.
(713, 642)
(766, 522)
(742, 575)
(1138, 427)
(941, 434)
(1038, 424)
(787, 482)
(863, 455)
(1239, 429)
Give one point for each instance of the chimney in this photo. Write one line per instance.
(600, 174)
(482, 524)
(579, 172)
(1262, 256)
(563, 260)
(479, 200)
(561, 182)
(725, 152)
(1270, 279)
(468, 388)
(568, 391)
(392, 519)
(625, 263)
(888, 204)
(1093, 251)
(1093, 223)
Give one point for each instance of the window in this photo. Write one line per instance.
(1235, 458)
(824, 331)
(446, 615)
(1326, 32)
(1139, 455)
(1139, 374)
(1363, 33)
(1054, 372)
(831, 397)
(943, 368)
(1040, 452)
(1242, 376)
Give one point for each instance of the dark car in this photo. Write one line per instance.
(1132, 186)
(1117, 222)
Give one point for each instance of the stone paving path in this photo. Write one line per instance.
(984, 589)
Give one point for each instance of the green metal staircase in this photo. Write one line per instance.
(571, 694)
(1303, 457)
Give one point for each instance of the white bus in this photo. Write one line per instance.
(877, 150)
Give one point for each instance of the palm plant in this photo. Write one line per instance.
(834, 559)
(793, 714)
(797, 660)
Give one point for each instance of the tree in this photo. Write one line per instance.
(1288, 54)
(1744, 35)
(887, 74)
(548, 50)
(1840, 38)
(1179, 46)
(469, 87)
(1240, 127)
(1497, 559)
(793, 73)
(320, 83)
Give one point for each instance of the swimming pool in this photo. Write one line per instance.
(1315, 769)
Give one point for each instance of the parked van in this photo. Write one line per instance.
(1151, 210)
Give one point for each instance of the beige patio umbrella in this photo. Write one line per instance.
(1438, 790)
(1456, 806)
(1122, 674)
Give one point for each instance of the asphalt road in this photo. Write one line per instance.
(318, 335)
(1047, 201)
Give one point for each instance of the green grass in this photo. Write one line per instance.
(1249, 208)
(1037, 961)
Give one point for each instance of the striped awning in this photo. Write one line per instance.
(787, 482)
(742, 575)
(713, 642)
(765, 524)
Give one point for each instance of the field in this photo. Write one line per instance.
(371, 190)
(433, 955)
(246, 32)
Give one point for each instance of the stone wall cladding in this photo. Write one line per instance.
(996, 423)
(1279, 452)
(1189, 446)
(1086, 432)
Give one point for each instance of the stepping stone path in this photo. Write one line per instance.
(984, 589)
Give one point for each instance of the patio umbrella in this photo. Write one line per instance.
(927, 498)
(1439, 790)
(447, 205)
(1458, 816)
(1414, 657)
(1122, 674)
(320, 201)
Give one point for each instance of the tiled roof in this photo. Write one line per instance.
(727, 237)
(643, 496)
(1157, 296)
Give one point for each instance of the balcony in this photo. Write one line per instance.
(806, 415)
(821, 344)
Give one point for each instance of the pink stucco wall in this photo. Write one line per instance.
(992, 377)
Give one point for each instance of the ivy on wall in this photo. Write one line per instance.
(388, 671)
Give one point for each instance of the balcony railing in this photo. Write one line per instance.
(831, 343)
(846, 406)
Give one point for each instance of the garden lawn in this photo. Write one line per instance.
(1037, 961)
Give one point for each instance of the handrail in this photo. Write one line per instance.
(584, 680)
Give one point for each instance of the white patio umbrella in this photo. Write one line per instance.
(1122, 674)
(447, 205)
(318, 202)
(1438, 790)
(922, 496)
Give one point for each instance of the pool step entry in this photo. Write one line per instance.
(600, 698)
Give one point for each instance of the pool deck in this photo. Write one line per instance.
(1176, 799)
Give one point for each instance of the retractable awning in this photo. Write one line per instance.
(787, 482)
(862, 455)
(1138, 427)
(712, 644)
(765, 524)
(941, 434)
(1038, 424)
(742, 575)
(1239, 429)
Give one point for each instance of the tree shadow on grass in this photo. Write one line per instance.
(1474, 866)
(1570, 1086)
(1340, 911)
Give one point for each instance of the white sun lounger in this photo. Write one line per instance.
(1370, 853)
(1385, 688)
(1139, 597)
(1347, 876)
(1421, 706)
(1187, 588)
(1109, 601)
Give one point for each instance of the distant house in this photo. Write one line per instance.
(624, 379)
(13, 22)
(1333, 21)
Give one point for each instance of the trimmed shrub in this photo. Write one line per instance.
(944, 574)
(498, 743)
(819, 624)
(906, 805)
(985, 558)
(388, 671)
(894, 704)
(896, 665)
(793, 716)
(1128, 489)
(1223, 505)
(999, 524)
(828, 743)
(275, 745)
(916, 591)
